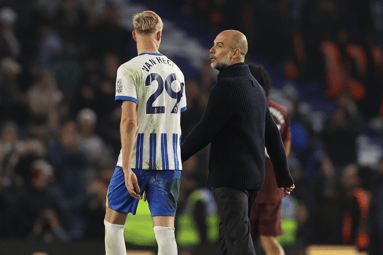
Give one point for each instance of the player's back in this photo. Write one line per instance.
(156, 84)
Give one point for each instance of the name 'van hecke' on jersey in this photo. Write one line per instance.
(160, 60)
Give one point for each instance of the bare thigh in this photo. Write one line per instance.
(114, 217)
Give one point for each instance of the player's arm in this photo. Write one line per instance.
(128, 127)
(276, 151)
(287, 141)
(215, 117)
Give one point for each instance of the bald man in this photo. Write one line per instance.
(238, 125)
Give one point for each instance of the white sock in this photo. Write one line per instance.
(114, 239)
(166, 240)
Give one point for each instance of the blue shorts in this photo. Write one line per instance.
(161, 186)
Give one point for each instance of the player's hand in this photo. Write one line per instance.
(131, 184)
(287, 190)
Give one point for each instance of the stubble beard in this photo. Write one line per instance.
(225, 62)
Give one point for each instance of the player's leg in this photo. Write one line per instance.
(163, 227)
(118, 204)
(162, 194)
(114, 232)
(271, 246)
(269, 227)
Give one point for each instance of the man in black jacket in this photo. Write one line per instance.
(238, 125)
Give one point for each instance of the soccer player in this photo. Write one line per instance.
(265, 218)
(150, 89)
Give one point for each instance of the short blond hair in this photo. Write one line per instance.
(146, 22)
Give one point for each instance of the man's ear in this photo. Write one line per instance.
(134, 35)
(158, 35)
(236, 53)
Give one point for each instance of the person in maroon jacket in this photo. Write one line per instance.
(265, 217)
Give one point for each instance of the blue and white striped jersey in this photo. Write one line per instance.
(156, 84)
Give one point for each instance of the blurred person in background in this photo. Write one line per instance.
(16, 154)
(106, 88)
(71, 163)
(197, 220)
(13, 99)
(50, 46)
(92, 144)
(329, 196)
(85, 93)
(339, 135)
(8, 18)
(265, 218)
(356, 184)
(47, 228)
(44, 107)
(195, 107)
(93, 208)
(41, 196)
(105, 34)
(70, 19)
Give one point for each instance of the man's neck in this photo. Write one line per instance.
(147, 47)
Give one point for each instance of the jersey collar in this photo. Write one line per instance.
(156, 54)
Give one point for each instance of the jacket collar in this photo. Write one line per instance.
(240, 69)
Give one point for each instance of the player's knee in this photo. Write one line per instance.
(166, 240)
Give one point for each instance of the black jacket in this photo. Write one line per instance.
(237, 123)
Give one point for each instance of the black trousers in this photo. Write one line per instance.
(234, 206)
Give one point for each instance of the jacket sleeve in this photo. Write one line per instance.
(215, 117)
(276, 151)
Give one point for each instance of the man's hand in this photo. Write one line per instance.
(287, 190)
(131, 184)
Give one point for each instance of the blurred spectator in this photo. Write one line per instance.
(8, 18)
(84, 95)
(13, 152)
(302, 192)
(329, 196)
(71, 163)
(47, 228)
(358, 199)
(6, 200)
(13, 103)
(93, 209)
(44, 101)
(41, 194)
(196, 218)
(106, 87)
(105, 34)
(92, 144)
(339, 135)
(302, 132)
(70, 20)
(50, 46)
(195, 108)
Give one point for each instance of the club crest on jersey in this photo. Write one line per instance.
(119, 86)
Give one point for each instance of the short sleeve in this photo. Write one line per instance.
(183, 104)
(125, 87)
